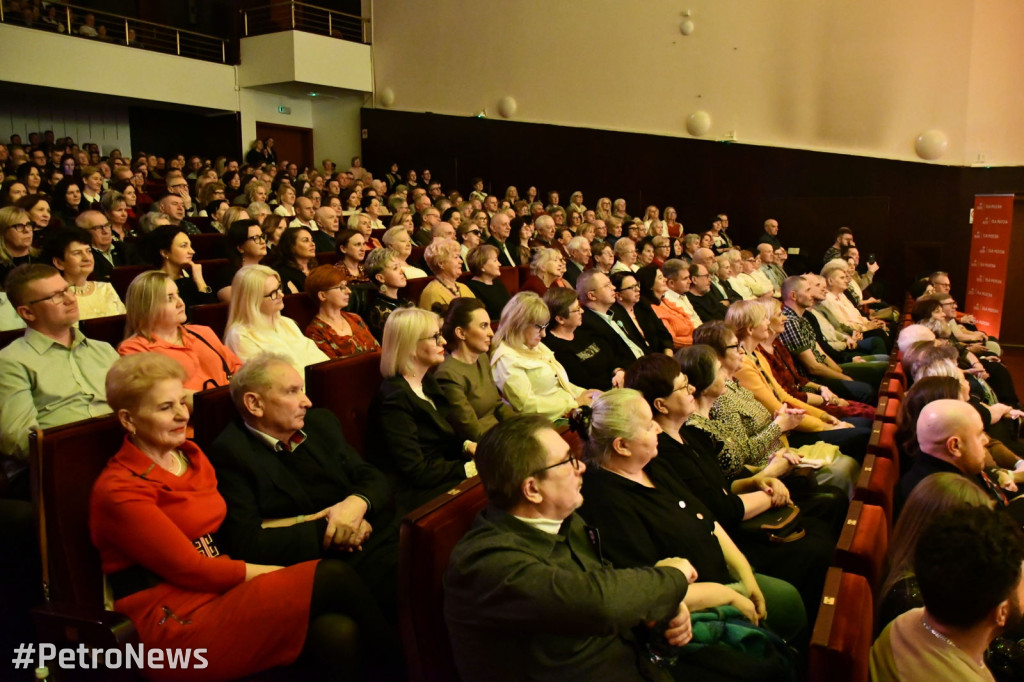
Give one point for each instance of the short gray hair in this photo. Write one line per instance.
(254, 375)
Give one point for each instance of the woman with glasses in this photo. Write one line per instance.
(155, 322)
(418, 448)
(246, 245)
(15, 240)
(255, 323)
(546, 269)
(444, 258)
(38, 207)
(634, 314)
(645, 514)
(295, 258)
(69, 251)
(469, 236)
(337, 333)
(170, 251)
(465, 375)
(526, 372)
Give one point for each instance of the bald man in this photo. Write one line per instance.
(327, 223)
(951, 438)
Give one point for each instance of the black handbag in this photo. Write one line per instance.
(778, 525)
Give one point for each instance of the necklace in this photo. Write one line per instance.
(454, 289)
(938, 635)
(84, 290)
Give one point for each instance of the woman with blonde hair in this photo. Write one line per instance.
(526, 372)
(15, 240)
(419, 448)
(673, 229)
(604, 208)
(285, 201)
(399, 239)
(402, 217)
(546, 269)
(444, 258)
(255, 323)
(155, 322)
(653, 224)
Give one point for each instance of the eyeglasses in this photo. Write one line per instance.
(571, 459)
(734, 346)
(704, 275)
(476, 232)
(101, 227)
(635, 287)
(275, 294)
(256, 239)
(438, 338)
(541, 327)
(341, 287)
(684, 387)
(56, 298)
(21, 227)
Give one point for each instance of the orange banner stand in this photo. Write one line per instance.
(991, 225)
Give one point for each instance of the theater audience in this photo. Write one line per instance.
(16, 240)
(634, 314)
(245, 245)
(69, 251)
(255, 323)
(611, 348)
(156, 322)
(418, 449)
(527, 594)
(156, 502)
(399, 240)
(337, 332)
(444, 259)
(384, 270)
(643, 516)
(53, 374)
(526, 372)
(547, 266)
(465, 375)
(486, 282)
(170, 251)
(273, 225)
(962, 613)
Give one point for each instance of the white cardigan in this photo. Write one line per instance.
(533, 381)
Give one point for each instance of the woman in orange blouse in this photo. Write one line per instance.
(337, 333)
(675, 319)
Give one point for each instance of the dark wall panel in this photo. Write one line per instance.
(913, 216)
(164, 132)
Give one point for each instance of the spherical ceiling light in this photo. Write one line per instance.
(698, 123)
(931, 144)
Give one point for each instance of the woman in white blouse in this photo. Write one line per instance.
(255, 323)
(69, 251)
(526, 372)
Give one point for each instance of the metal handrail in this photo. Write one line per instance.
(185, 43)
(301, 16)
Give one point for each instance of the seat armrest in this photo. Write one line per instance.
(56, 622)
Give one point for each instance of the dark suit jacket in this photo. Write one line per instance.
(102, 270)
(324, 242)
(502, 258)
(572, 271)
(418, 447)
(655, 338)
(259, 484)
(614, 353)
(709, 306)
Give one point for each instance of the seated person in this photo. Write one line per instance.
(444, 258)
(352, 247)
(255, 323)
(749, 322)
(633, 311)
(527, 595)
(654, 290)
(526, 372)
(963, 613)
(156, 322)
(156, 502)
(384, 270)
(107, 252)
(320, 500)
(418, 448)
(338, 333)
(547, 265)
(863, 336)
(169, 250)
(70, 253)
(465, 375)
(294, 258)
(611, 349)
(399, 239)
(486, 282)
(705, 301)
(16, 240)
(53, 375)
(641, 519)
(246, 245)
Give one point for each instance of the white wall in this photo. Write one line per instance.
(305, 58)
(257, 105)
(104, 124)
(851, 76)
(337, 129)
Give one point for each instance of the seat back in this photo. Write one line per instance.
(300, 308)
(9, 335)
(212, 411)
(864, 543)
(346, 387)
(876, 485)
(207, 246)
(123, 275)
(415, 287)
(510, 278)
(109, 329)
(842, 635)
(65, 462)
(883, 442)
(427, 538)
(212, 315)
(888, 409)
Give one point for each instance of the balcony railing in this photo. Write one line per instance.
(117, 30)
(298, 16)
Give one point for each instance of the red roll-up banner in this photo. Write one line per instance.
(992, 220)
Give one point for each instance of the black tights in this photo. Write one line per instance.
(348, 637)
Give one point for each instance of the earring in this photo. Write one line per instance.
(383, 288)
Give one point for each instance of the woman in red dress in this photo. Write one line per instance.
(337, 332)
(152, 513)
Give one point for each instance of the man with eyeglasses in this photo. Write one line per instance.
(704, 301)
(610, 349)
(178, 185)
(527, 592)
(52, 375)
(105, 251)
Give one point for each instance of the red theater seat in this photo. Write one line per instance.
(876, 484)
(843, 631)
(864, 542)
(346, 387)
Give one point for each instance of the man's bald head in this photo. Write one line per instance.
(913, 333)
(705, 257)
(951, 430)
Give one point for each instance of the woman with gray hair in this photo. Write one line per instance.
(399, 239)
(546, 269)
(444, 257)
(526, 372)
